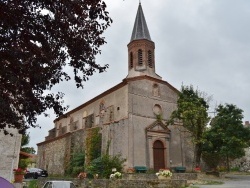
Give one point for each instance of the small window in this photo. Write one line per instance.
(156, 90)
(131, 60)
(89, 121)
(74, 126)
(60, 129)
(150, 59)
(139, 57)
(64, 130)
(157, 109)
(84, 114)
(59, 126)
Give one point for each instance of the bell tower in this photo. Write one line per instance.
(141, 49)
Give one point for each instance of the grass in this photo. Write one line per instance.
(213, 182)
(32, 184)
(204, 182)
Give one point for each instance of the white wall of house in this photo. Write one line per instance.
(9, 150)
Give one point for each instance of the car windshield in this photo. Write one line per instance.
(63, 185)
(34, 169)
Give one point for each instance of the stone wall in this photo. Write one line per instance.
(132, 181)
(146, 176)
(9, 150)
(54, 155)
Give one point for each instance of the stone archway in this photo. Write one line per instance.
(158, 154)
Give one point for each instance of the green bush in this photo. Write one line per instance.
(103, 165)
(211, 159)
(235, 169)
(23, 163)
(222, 168)
(33, 184)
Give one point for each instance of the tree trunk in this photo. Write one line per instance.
(198, 151)
(228, 167)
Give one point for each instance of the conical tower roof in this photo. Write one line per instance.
(140, 30)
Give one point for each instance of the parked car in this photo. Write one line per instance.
(59, 184)
(35, 173)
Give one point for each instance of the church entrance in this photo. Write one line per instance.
(158, 150)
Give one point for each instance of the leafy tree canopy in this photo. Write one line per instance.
(37, 37)
(24, 142)
(25, 139)
(30, 150)
(227, 136)
(192, 112)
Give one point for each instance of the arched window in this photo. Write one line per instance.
(131, 60)
(139, 57)
(150, 59)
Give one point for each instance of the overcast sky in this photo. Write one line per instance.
(205, 43)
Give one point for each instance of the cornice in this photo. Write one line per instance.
(146, 77)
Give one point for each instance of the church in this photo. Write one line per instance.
(130, 118)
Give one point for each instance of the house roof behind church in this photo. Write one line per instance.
(140, 30)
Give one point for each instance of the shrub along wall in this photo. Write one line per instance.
(145, 176)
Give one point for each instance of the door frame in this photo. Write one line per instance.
(162, 154)
(157, 131)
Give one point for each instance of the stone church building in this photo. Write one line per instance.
(130, 117)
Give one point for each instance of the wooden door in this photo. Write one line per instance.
(158, 149)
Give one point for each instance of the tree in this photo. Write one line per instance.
(192, 112)
(24, 142)
(37, 38)
(76, 164)
(227, 137)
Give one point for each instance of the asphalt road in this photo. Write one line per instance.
(232, 181)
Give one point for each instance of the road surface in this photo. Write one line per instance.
(232, 181)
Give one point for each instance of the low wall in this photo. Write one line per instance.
(131, 181)
(186, 176)
(145, 176)
(122, 183)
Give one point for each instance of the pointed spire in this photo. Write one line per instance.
(140, 30)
